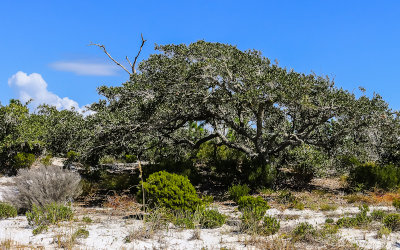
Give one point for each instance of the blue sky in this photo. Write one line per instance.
(45, 54)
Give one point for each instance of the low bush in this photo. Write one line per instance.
(327, 230)
(235, 192)
(46, 160)
(7, 211)
(23, 160)
(41, 217)
(360, 219)
(304, 232)
(392, 221)
(286, 197)
(130, 158)
(383, 231)
(270, 225)
(171, 191)
(42, 186)
(72, 156)
(369, 175)
(378, 215)
(250, 222)
(329, 220)
(396, 204)
(211, 218)
(253, 203)
(107, 159)
(328, 207)
(80, 233)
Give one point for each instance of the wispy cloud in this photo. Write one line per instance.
(34, 87)
(86, 68)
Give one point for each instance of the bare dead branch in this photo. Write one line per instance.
(140, 50)
(105, 51)
(130, 64)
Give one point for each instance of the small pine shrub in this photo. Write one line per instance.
(286, 197)
(378, 215)
(23, 160)
(171, 191)
(370, 175)
(396, 204)
(250, 222)
(87, 219)
(107, 159)
(392, 221)
(207, 200)
(327, 230)
(360, 219)
(130, 158)
(212, 219)
(42, 186)
(7, 211)
(297, 205)
(383, 231)
(72, 156)
(329, 220)
(235, 192)
(46, 161)
(41, 217)
(328, 207)
(270, 225)
(304, 232)
(80, 233)
(253, 203)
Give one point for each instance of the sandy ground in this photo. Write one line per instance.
(109, 231)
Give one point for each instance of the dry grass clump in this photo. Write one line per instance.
(275, 243)
(44, 185)
(122, 204)
(8, 244)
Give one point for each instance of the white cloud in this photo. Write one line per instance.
(34, 87)
(86, 68)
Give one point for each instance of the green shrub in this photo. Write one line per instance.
(7, 211)
(107, 159)
(329, 220)
(253, 203)
(370, 175)
(170, 191)
(360, 219)
(296, 204)
(328, 229)
(80, 233)
(212, 219)
(328, 207)
(396, 204)
(378, 215)
(250, 222)
(46, 161)
(383, 231)
(130, 158)
(270, 225)
(87, 219)
(41, 217)
(207, 200)
(23, 160)
(286, 197)
(304, 232)
(237, 191)
(392, 221)
(72, 156)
